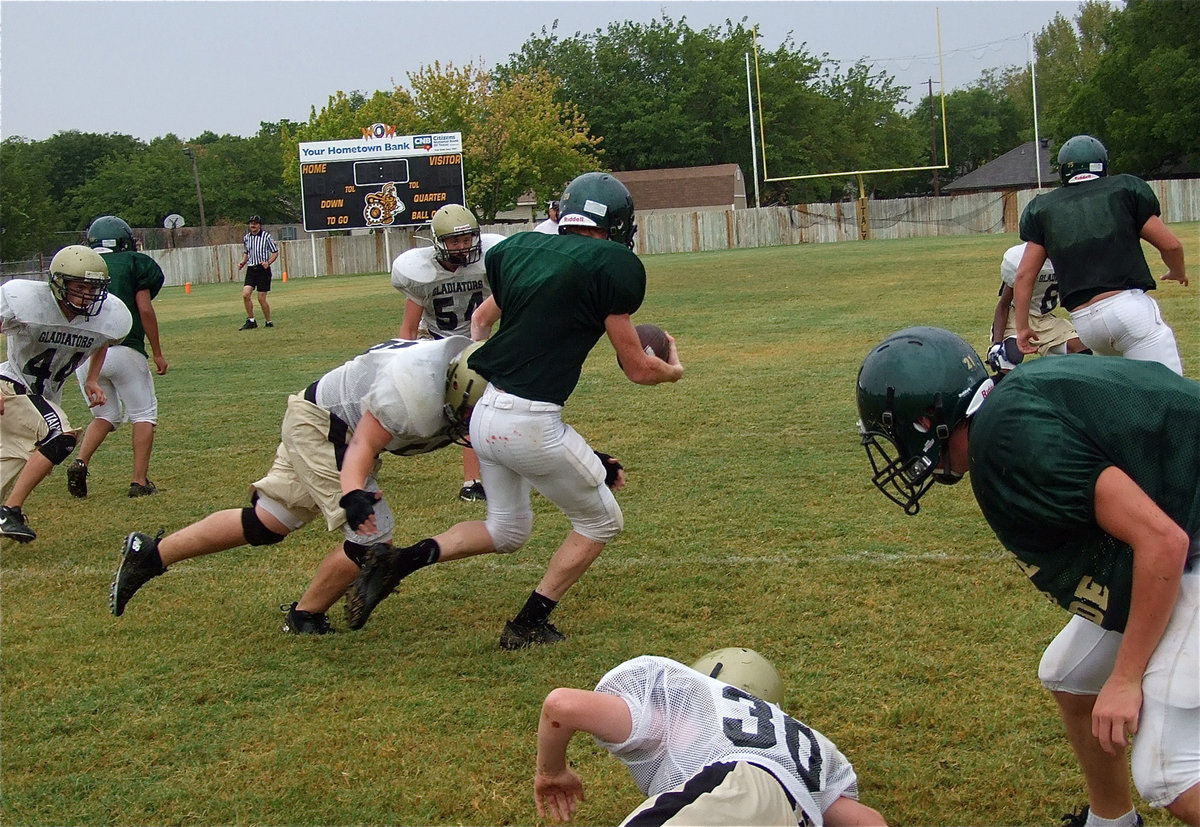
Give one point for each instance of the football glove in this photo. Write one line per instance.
(359, 505)
(612, 468)
(1004, 355)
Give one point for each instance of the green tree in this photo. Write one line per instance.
(983, 122)
(1141, 99)
(344, 117)
(518, 136)
(659, 94)
(1067, 54)
(527, 142)
(866, 131)
(238, 177)
(664, 95)
(143, 188)
(245, 176)
(28, 215)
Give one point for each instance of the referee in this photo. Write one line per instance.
(260, 254)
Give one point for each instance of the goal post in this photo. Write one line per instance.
(864, 224)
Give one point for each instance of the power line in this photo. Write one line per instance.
(934, 56)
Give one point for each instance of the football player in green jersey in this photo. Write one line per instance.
(1091, 229)
(135, 279)
(558, 294)
(1085, 469)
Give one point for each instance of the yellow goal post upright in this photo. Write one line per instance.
(864, 223)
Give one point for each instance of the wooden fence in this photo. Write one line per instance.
(319, 254)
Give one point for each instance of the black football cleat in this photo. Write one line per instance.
(139, 562)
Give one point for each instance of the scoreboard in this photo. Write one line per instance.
(377, 182)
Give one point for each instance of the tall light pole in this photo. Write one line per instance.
(187, 150)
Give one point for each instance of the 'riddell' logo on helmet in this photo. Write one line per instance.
(576, 220)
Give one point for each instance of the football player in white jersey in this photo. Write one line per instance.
(443, 286)
(550, 225)
(402, 396)
(708, 744)
(50, 329)
(1054, 334)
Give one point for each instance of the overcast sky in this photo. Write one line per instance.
(147, 69)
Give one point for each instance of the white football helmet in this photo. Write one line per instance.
(450, 221)
(79, 279)
(463, 389)
(744, 668)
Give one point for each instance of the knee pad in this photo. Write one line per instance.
(357, 552)
(511, 534)
(58, 447)
(255, 532)
(1058, 350)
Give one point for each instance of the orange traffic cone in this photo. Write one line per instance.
(187, 287)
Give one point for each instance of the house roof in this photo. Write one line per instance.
(1013, 170)
(719, 185)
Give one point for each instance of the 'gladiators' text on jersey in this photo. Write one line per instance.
(44, 347)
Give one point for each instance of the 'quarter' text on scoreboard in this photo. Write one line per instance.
(378, 182)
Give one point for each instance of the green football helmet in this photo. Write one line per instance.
(914, 389)
(112, 233)
(744, 668)
(596, 199)
(79, 279)
(463, 389)
(450, 221)
(1082, 158)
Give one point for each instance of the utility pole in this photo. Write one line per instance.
(187, 150)
(933, 142)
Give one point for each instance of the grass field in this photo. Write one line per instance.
(912, 642)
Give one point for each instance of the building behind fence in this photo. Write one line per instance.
(319, 254)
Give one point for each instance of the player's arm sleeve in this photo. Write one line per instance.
(634, 683)
(150, 277)
(1029, 226)
(1146, 204)
(625, 289)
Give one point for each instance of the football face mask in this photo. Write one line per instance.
(914, 389)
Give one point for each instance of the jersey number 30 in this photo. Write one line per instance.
(766, 736)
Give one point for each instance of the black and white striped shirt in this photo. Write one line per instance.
(258, 248)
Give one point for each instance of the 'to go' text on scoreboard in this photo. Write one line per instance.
(376, 182)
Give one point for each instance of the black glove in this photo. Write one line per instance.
(611, 468)
(359, 505)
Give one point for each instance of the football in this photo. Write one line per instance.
(654, 340)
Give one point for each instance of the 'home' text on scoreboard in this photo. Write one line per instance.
(380, 181)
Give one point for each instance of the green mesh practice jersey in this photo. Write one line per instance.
(1091, 232)
(130, 272)
(1038, 445)
(554, 293)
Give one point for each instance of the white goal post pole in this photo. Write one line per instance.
(1037, 143)
(753, 145)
